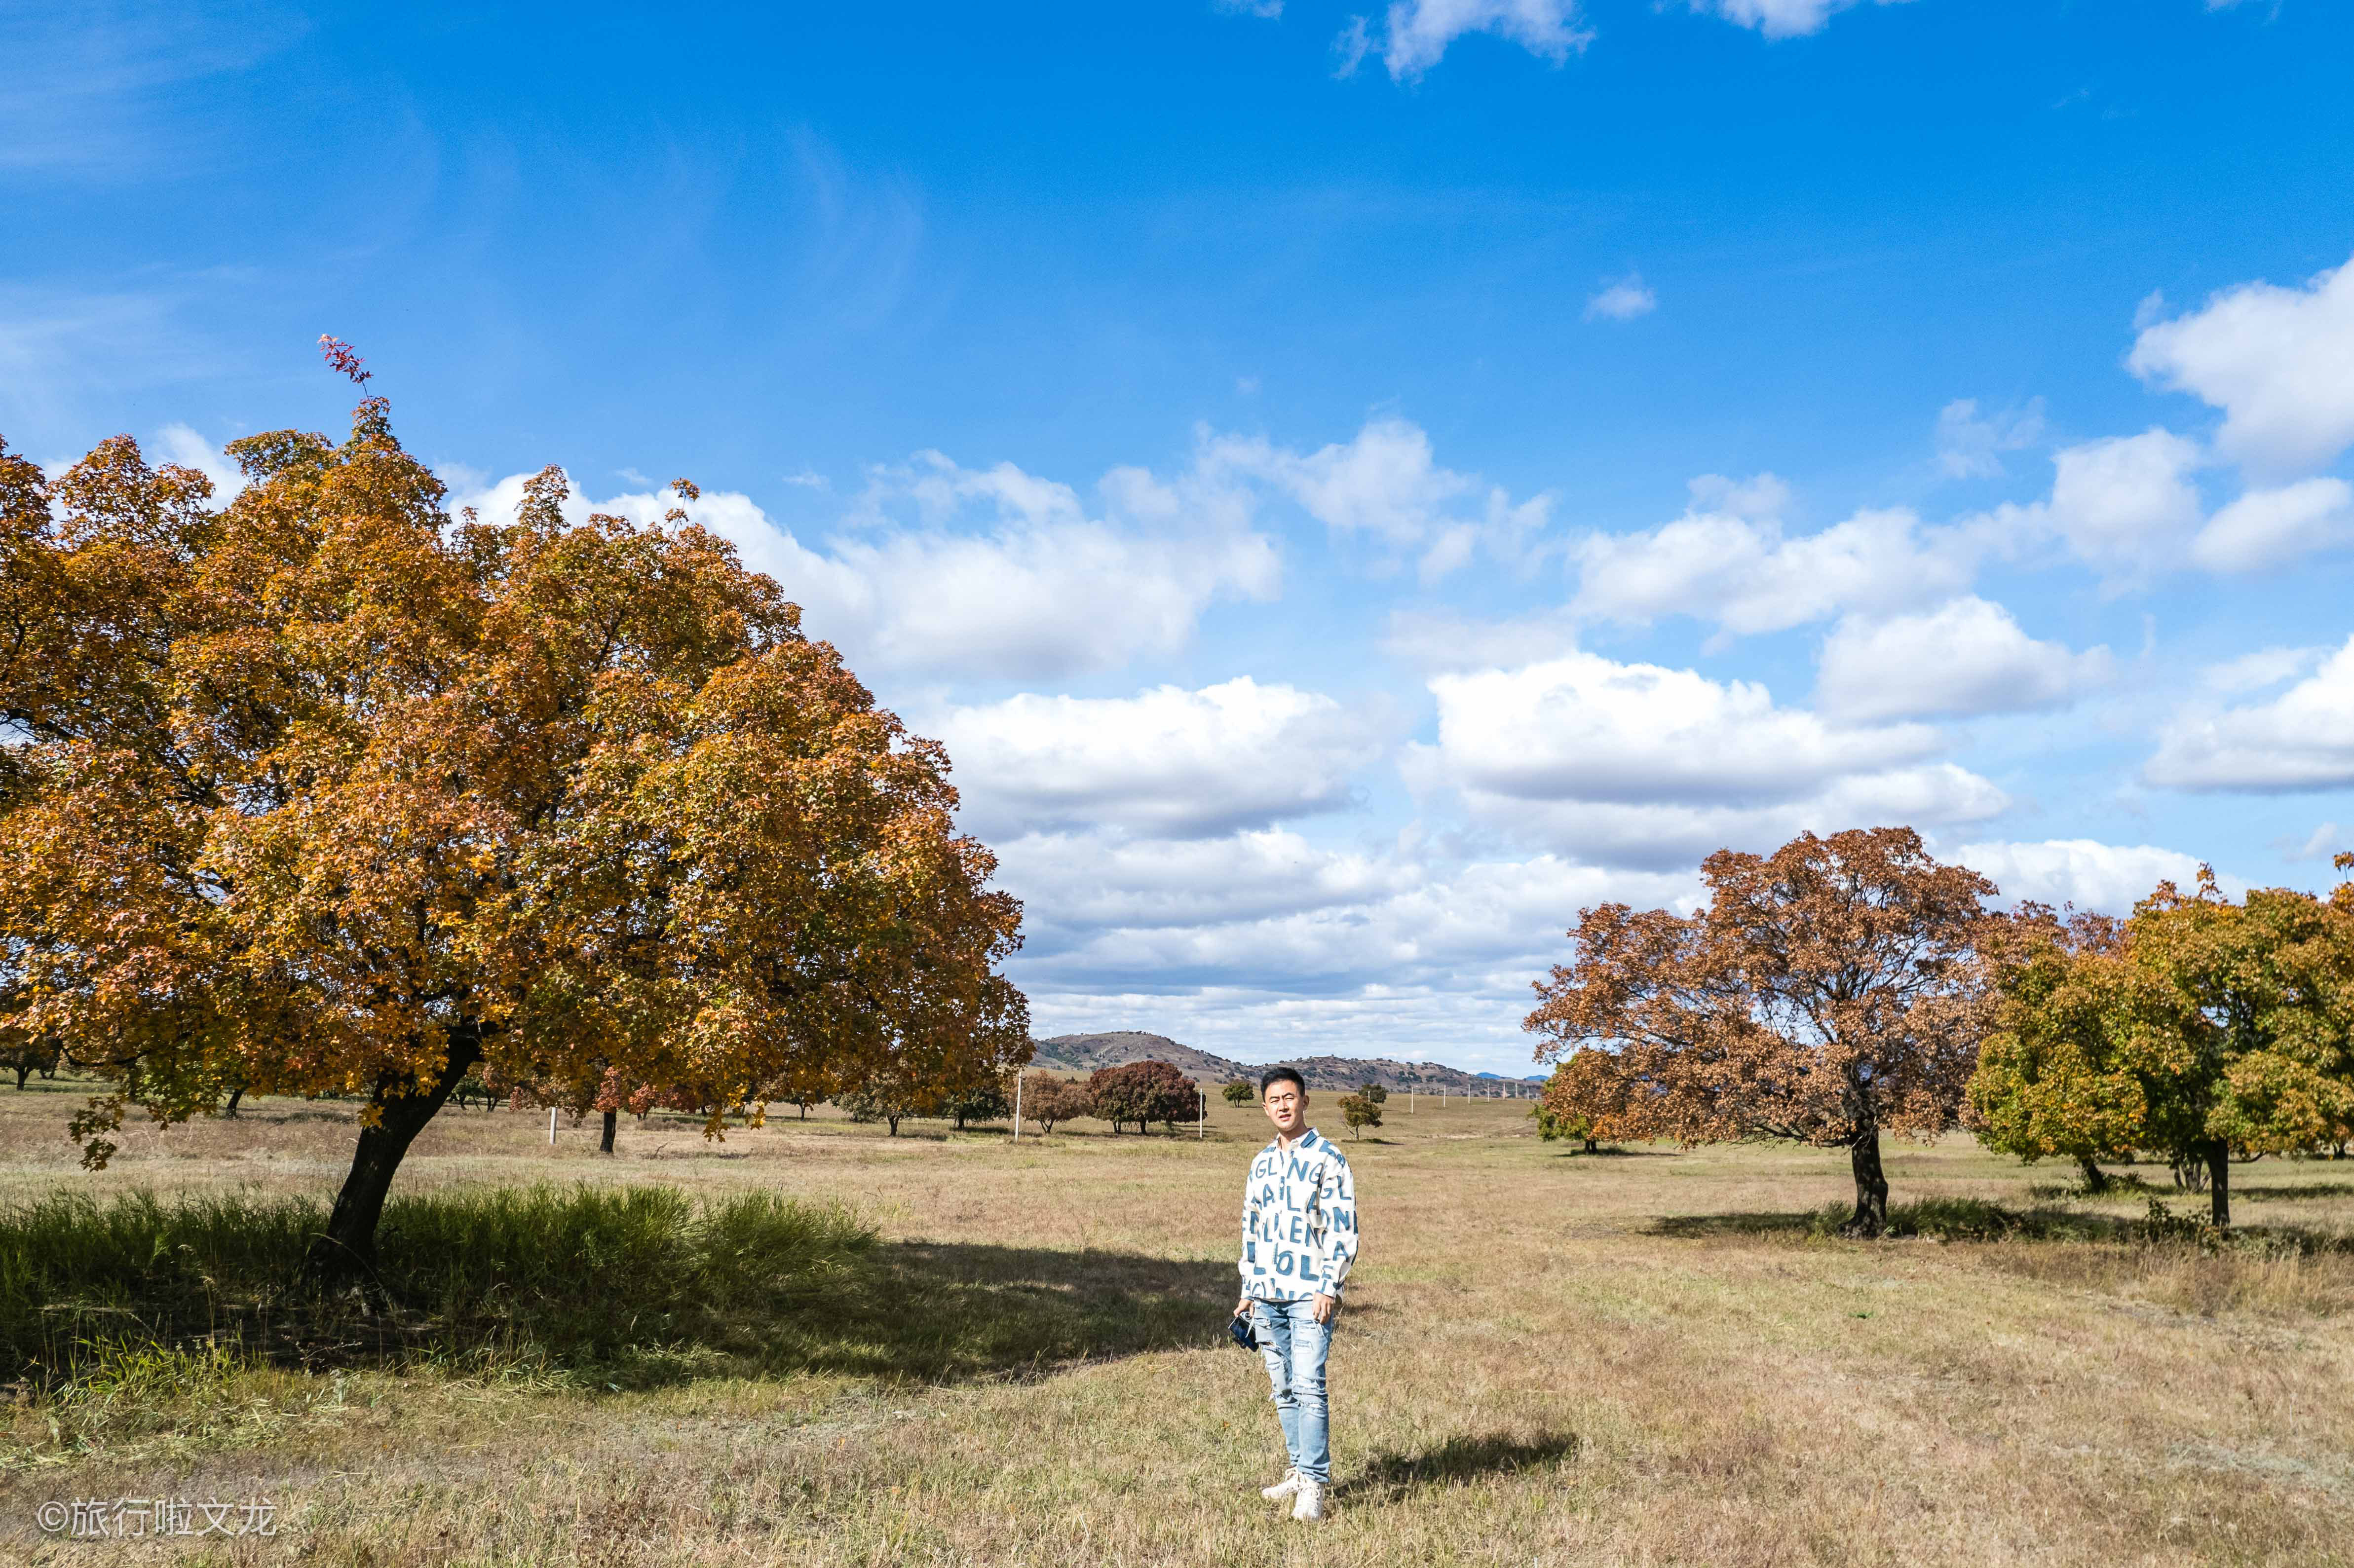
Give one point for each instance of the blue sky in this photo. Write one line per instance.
(1351, 487)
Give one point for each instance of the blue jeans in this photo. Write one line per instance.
(1295, 1345)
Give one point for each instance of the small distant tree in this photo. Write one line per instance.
(992, 1099)
(27, 1055)
(1141, 1092)
(1583, 1092)
(1373, 1090)
(1241, 1092)
(1828, 993)
(876, 1102)
(1360, 1111)
(1048, 1100)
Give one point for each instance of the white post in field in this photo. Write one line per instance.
(1017, 1105)
(551, 1126)
(1206, 1110)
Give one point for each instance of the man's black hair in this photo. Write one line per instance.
(1275, 1075)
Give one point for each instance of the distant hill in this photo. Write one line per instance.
(1085, 1053)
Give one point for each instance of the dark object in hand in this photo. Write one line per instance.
(1244, 1336)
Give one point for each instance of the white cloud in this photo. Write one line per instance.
(1416, 33)
(1726, 559)
(1263, 945)
(2110, 878)
(2272, 527)
(2325, 843)
(1167, 761)
(1000, 573)
(1969, 445)
(1780, 19)
(181, 445)
(1265, 10)
(2254, 672)
(1966, 657)
(1638, 764)
(1387, 483)
(1440, 640)
(2127, 503)
(1623, 300)
(2301, 739)
(2278, 362)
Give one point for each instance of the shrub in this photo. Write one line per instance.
(1360, 1112)
(1241, 1092)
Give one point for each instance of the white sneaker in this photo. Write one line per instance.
(1282, 1489)
(1310, 1502)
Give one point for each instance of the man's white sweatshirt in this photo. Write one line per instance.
(1299, 1221)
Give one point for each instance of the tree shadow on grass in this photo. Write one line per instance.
(1934, 1219)
(1390, 1476)
(2292, 1192)
(958, 1311)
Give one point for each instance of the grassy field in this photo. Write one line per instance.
(1651, 1357)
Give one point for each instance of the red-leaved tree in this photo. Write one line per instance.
(1827, 993)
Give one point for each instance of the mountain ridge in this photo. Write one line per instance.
(1112, 1048)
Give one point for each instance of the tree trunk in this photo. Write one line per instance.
(347, 1246)
(1592, 1146)
(1870, 1185)
(612, 1118)
(235, 1094)
(2219, 1182)
(894, 1125)
(2095, 1179)
(24, 1071)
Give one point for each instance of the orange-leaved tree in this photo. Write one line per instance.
(326, 791)
(1826, 993)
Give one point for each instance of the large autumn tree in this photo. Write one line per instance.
(1826, 994)
(2206, 1027)
(327, 790)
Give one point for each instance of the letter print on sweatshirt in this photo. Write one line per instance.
(1300, 1222)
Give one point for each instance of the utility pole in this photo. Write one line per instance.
(1017, 1105)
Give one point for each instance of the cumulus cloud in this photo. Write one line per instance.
(1268, 929)
(1415, 33)
(2128, 504)
(2301, 739)
(1726, 559)
(1641, 764)
(1623, 300)
(2268, 528)
(2110, 878)
(1168, 761)
(2278, 362)
(1971, 444)
(1966, 657)
(1780, 19)
(989, 572)
(1387, 482)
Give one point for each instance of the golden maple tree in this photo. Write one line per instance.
(2202, 1029)
(1826, 993)
(326, 791)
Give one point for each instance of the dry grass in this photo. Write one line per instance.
(1653, 1357)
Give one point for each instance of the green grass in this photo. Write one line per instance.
(580, 1274)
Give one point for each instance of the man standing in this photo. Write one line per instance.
(1299, 1236)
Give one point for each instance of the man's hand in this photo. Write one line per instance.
(1242, 1308)
(1326, 1306)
